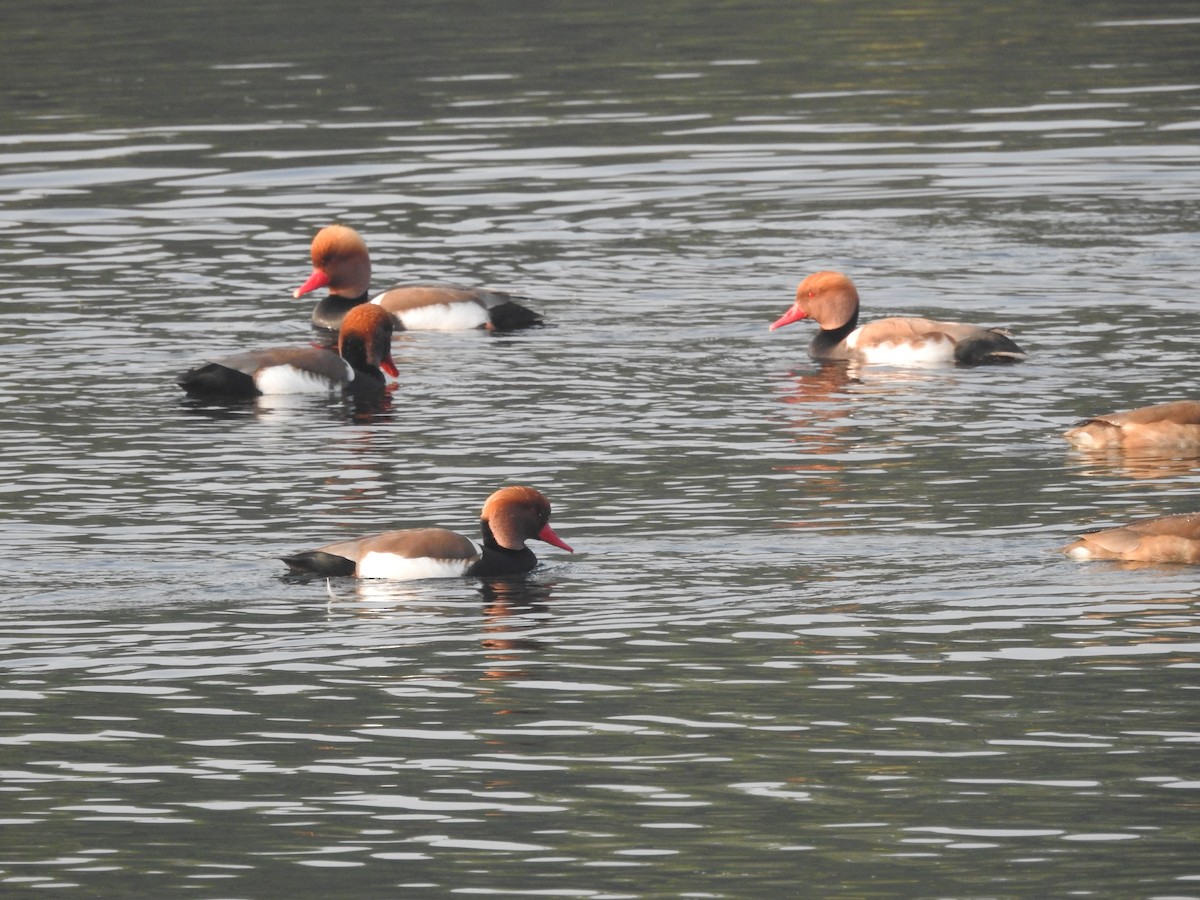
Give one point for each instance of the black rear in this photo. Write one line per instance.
(316, 562)
(216, 380)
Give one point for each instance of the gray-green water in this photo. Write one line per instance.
(815, 640)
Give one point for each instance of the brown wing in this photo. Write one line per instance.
(1187, 527)
(902, 328)
(404, 297)
(325, 363)
(410, 543)
(1179, 412)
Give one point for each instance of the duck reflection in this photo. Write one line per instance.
(511, 606)
(1142, 465)
(362, 408)
(820, 395)
(504, 597)
(827, 380)
(819, 408)
(1148, 442)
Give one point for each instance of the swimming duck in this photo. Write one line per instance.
(831, 300)
(1165, 426)
(510, 517)
(363, 356)
(1165, 539)
(341, 263)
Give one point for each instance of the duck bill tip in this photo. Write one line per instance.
(315, 280)
(547, 534)
(794, 314)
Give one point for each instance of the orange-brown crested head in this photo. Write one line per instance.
(365, 338)
(517, 514)
(828, 298)
(340, 261)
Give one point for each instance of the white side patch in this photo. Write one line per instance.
(1079, 553)
(444, 317)
(930, 351)
(290, 380)
(403, 568)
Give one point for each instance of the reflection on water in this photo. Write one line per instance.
(295, 409)
(1135, 464)
(817, 625)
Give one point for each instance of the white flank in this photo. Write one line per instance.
(403, 568)
(931, 351)
(444, 317)
(290, 380)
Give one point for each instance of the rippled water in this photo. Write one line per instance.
(816, 639)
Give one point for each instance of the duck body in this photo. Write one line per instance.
(1165, 539)
(831, 300)
(341, 263)
(438, 306)
(273, 370)
(510, 517)
(1165, 426)
(364, 354)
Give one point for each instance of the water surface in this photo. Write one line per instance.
(816, 639)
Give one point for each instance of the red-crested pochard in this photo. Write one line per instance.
(1165, 539)
(1165, 426)
(830, 299)
(364, 349)
(341, 263)
(510, 517)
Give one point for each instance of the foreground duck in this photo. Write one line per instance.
(510, 517)
(1166, 539)
(831, 300)
(342, 264)
(364, 354)
(1167, 426)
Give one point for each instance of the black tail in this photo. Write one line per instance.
(316, 562)
(991, 346)
(216, 380)
(512, 316)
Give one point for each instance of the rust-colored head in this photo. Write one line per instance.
(340, 261)
(366, 338)
(828, 298)
(517, 514)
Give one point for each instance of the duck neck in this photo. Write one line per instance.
(828, 340)
(330, 310)
(489, 539)
(355, 352)
(498, 560)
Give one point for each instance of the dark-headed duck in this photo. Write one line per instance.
(364, 354)
(341, 263)
(831, 300)
(510, 517)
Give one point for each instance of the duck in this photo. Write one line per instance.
(1164, 539)
(510, 517)
(342, 264)
(831, 300)
(363, 356)
(1165, 426)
